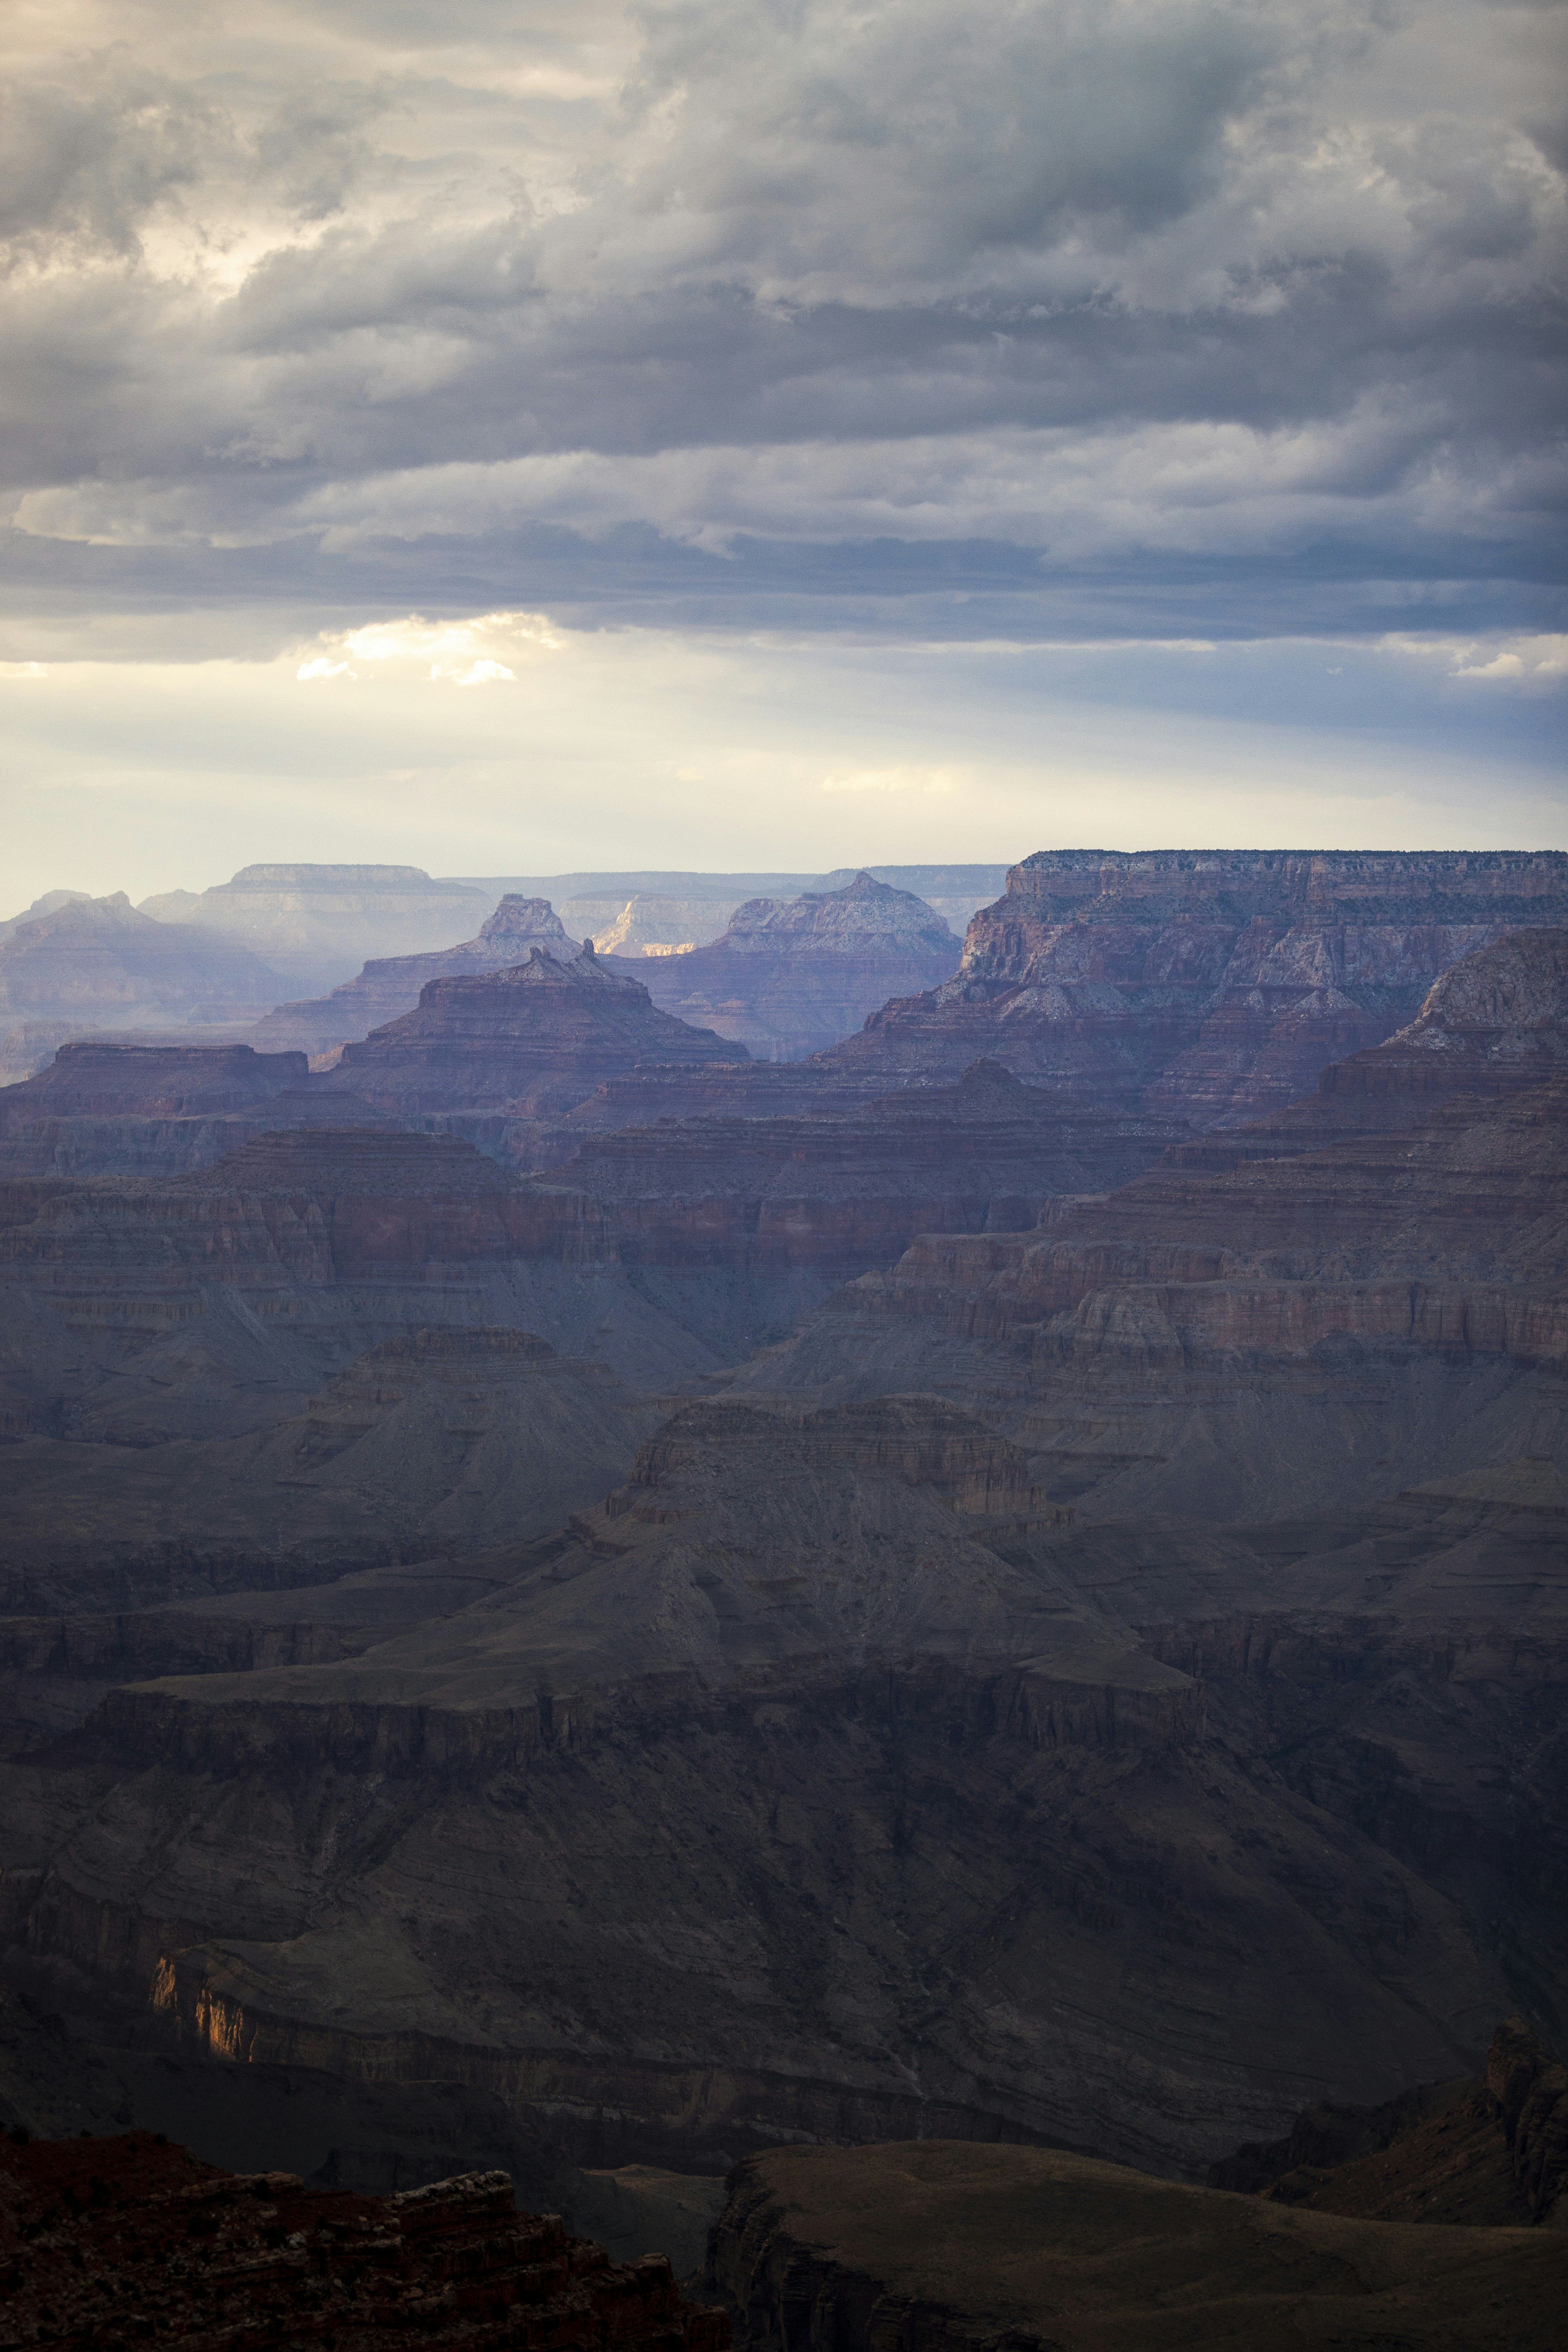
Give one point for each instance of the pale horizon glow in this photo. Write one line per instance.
(508, 744)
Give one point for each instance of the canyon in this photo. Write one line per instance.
(620, 1609)
(97, 964)
(1210, 985)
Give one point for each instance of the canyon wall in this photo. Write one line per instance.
(786, 979)
(1210, 985)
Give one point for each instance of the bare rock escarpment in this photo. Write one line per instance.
(840, 1192)
(1490, 2152)
(391, 985)
(1495, 1024)
(533, 1038)
(1188, 1337)
(785, 980)
(1210, 985)
(920, 1833)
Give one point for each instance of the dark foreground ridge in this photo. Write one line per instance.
(110, 2243)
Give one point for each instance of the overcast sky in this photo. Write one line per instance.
(521, 433)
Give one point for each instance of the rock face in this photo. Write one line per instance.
(393, 984)
(433, 1441)
(839, 1192)
(317, 925)
(1152, 1328)
(107, 1081)
(1495, 1024)
(785, 980)
(211, 1303)
(1491, 2153)
(918, 1832)
(96, 964)
(938, 2245)
(535, 1038)
(1209, 985)
(1092, 1681)
(107, 2241)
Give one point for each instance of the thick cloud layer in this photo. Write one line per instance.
(1224, 315)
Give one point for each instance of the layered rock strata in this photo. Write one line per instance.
(125, 1109)
(1495, 1024)
(97, 964)
(839, 1192)
(1210, 985)
(1283, 1335)
(218, 1301)
(534, 1039)
(392, 985)
(111, 2241)
(920, 1835)
(939, 2247)
(785, 980)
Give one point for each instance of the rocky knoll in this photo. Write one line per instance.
(533, 1039)
(943, 2247)
(392, 984)
(1211, 985)
(840, 1192)
(97, 964)
(816, 1783)
(111, 2241)
(785, 980)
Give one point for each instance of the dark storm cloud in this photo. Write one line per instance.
(1136, 293)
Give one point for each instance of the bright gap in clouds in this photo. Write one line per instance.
(505, 743)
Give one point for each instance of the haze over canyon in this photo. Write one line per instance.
(830, 1534)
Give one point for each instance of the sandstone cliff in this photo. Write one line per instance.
(1489, 2153)
(1191, 1338)
(393, 984)
(785, 980)
(106, 1081)
(535, 1038)
(841, 1192)
(139, 1311)
(1494, 1024)
(1211, 985)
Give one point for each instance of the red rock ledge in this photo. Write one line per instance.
(125, 2240)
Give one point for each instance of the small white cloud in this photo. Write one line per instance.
(450, 652)
(23, 669)
(1530, 662)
